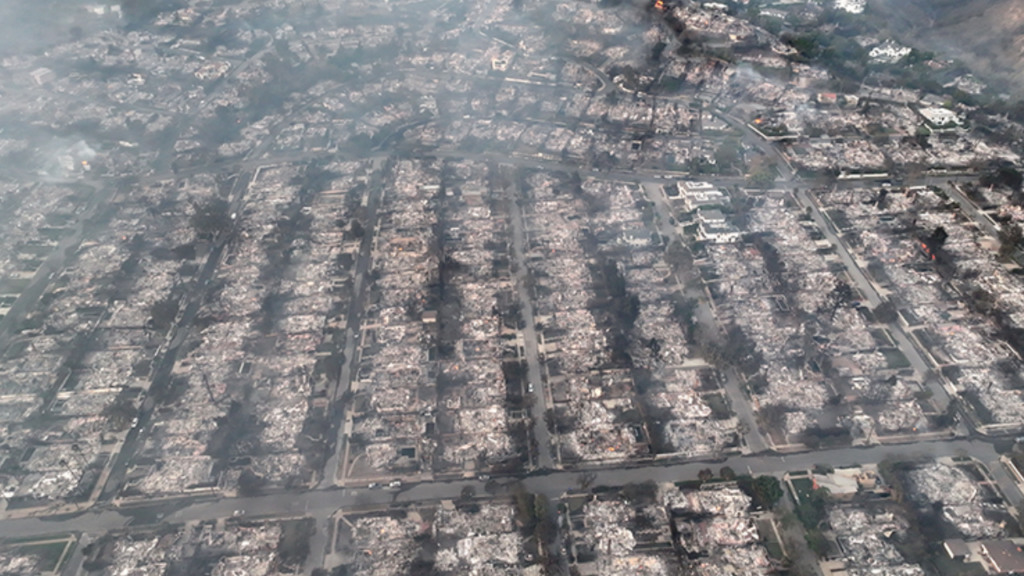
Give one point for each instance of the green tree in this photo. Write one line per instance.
(211, 219)
(293, 546)
(162, 313)
(120, 413)
(765, 491)
(1010, 236)
(817, 542)
(678, 256)
(841, 295)
(524, 506)
(705, 475)
(492, 487)
(585, 480)
(728, 154)
(640, 494)
(727, 473)
(885, 312)
(762, 179)
(250, 483)
(813, 509)
(541, 506)
(949, 417)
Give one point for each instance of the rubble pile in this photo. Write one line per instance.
(479, 543)
(723, 533)
(243, 549)
(962, 505)
(385, 545)
(607, 532)
(864, 540)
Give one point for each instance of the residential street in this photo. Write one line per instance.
(322, 503)
(530, 338)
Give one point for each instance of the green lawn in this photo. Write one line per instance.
(881, 337)
(719, 406)
(803, 488)
(774, 548)
(49, 554)
(895, 359)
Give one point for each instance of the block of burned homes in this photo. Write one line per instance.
(395, 392)
(474, 540)
(864, 538)
(574, 343)
(882, 127)
(433, 374)
(250, 365)
(240, 548)
(475, 244)
(936, 298)
(745, 294)
(92, 366)
(688, 428)
(588, 393)
(835, 133)
(31, 364)
(38, 216)
(717, 530)
(438, 316)
(788, 266)
(611, 535)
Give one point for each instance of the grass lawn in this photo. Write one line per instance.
(803, 488)
(895, 359)
(881, 337)
(719, 406)
(49, 554)
(771, 544)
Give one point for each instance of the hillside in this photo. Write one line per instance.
(987, 35)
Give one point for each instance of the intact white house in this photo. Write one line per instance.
(713, 227)
(698, 194)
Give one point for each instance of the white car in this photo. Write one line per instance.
(135, 422)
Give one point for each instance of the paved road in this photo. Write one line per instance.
(321, 503)
(334, 469)
(972, 210)
(530, 340)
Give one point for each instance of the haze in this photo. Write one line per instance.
(454, 287)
